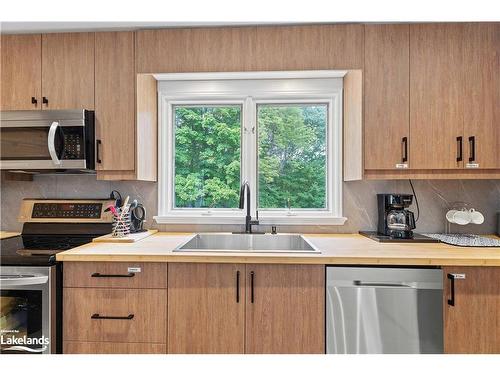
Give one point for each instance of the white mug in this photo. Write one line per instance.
(449, 216)
(476, 216)
(462, 217)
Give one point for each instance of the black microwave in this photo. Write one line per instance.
(48, 140)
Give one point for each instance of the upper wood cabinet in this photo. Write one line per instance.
(307, 47)
(437, 95)
(481, 48)
(49, 71)
(472, 312)
(250, 48)
(21, 72)
(451, 100)
(125, 111)
(68, 70)
(285, 309)
(387, 96)
(206, 308)
(455, 91)
(114, 101)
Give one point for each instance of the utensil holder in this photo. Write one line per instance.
(121, 223)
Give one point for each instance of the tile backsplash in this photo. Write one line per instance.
(360, 206)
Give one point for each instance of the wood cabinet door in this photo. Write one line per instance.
(250, 48)
(68, 70)
(206, 312)
(482, 104)
(285, 308)
(307, 47)
(115, 100)
(472, 325)
(387, 96)
(436, 95)
(21, 72)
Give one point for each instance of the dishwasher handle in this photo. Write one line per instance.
(383, 285)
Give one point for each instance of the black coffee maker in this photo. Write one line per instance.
(394, 218)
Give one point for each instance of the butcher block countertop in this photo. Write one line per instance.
(346, 249)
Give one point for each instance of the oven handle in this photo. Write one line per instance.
(51, 140)
(21, 281)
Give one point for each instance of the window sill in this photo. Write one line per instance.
(282, 220)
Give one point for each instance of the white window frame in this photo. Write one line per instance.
(211, 88)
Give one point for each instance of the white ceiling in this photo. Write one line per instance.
(47, 27)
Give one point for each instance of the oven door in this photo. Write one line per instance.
(46, 140)
(26, 315)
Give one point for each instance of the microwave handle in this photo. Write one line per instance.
(52, 143)
(22, 281)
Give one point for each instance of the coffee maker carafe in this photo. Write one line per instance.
(394, 218)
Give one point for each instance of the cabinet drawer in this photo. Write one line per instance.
(115, 275)
(75, 347)
(115, 315)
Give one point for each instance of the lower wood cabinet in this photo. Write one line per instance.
(206, 309)
(285, 310)
(472, 310)
(75, 347)
(229, 308)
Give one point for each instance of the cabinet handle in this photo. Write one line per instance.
(97, 274)
(472, 148)
(97, 316)
(98, 151)
(34, 101)
(45, 100)
(451, 301)
(452, 277)
(237, 286)
(459, 149)
(404, 150)
(252, 277)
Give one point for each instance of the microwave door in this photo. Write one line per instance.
(39, 145)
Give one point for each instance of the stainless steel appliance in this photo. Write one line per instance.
(28, 321)
(48, 141)
(384, 310)
(394, 218)
(30, 277)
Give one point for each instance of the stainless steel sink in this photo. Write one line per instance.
(252, 243)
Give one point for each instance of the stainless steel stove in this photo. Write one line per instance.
(30, 277)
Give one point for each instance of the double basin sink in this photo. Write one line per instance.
(248, 243)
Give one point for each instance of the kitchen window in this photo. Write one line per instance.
(280, 131)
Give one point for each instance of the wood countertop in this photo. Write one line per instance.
(5, 234)
(346, 249)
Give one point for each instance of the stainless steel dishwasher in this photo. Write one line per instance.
(384, 310)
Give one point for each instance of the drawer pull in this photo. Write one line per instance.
(97, 274)
(128, 317)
